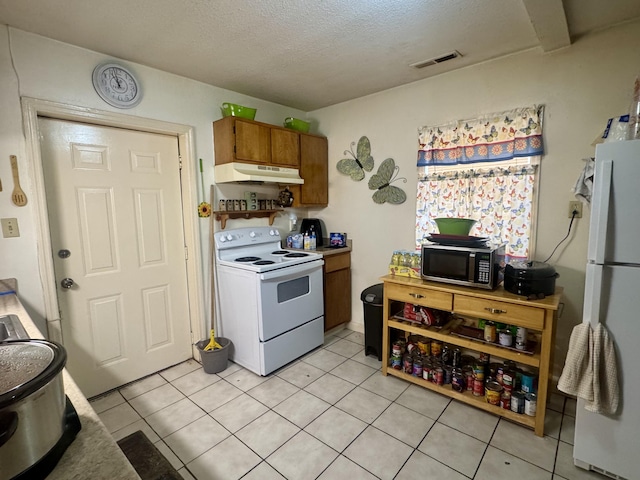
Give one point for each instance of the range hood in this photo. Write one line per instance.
(248, 172)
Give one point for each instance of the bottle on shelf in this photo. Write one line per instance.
(307, 241)
(312, 238)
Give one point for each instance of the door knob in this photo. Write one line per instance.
(66, 283)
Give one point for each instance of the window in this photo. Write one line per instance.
(485, 169)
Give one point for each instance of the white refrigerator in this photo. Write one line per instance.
(610, 444)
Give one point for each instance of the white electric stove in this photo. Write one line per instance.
(270, 299)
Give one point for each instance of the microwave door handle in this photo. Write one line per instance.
(472, 267)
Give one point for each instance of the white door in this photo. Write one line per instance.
(114, 205)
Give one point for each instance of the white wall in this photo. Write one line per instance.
(50, 70)
(581, 87)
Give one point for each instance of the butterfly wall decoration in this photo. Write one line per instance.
(362, 160)
(381, 183)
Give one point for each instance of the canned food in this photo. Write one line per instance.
(521, 335)
(457, 358)
(468, 375)
(478, 371)
(493, 390)
(448, 374)
(417, 366)
(424, 345)
(478, 387)
(396, 362)
(397, 349)
(528, 382)
(505, 338)
(407, 363)
(521, 345)
(530, 404)
(507, 380)
(458, 381)
(436, 348)
(446, 355)
(489, 332)
(426, 370)
(499, 373)
(438, 376)
(505, 400)
(517, 402)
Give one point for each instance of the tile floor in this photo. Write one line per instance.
(332, 415)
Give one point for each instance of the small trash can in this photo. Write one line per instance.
(372, 300)
(214, 361)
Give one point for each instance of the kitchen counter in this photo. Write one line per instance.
(94, 453)
(324, 250)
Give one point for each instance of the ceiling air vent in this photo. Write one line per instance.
(435, 61)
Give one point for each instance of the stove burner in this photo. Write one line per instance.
(247, 259)
(264, 262)
(279, 252)
(296, 254)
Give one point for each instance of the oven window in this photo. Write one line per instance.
(293, 289)
(448, 265)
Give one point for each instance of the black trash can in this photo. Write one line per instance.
(372, 300)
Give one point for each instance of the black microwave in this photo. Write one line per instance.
(480, 267)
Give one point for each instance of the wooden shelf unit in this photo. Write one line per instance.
(539, 316)
(222, 215)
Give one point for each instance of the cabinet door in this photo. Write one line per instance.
(285, 148)
(337, 298)
(252, 142)
(314, 168)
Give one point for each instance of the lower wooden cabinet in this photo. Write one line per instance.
(337, 289)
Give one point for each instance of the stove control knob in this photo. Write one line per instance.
(229, 237)
(273, 233)
(252, 234)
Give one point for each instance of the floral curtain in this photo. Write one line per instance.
(500, 199)
(494, 137)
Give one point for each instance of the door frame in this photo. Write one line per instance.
(32, 108)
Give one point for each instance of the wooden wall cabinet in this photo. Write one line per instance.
(337, 289)
(241, 140)
(314, 169)
(538, 316)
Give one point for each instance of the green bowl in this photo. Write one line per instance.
(454, 226)
(296, 124)
(233, 110)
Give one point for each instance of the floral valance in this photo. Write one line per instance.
(492, 138)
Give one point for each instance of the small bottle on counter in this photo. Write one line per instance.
(307, 241)
(312, 239)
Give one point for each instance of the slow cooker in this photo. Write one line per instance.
(530, 278)
(37, 420)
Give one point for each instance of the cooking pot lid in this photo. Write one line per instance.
(26, 366)
(530, 270)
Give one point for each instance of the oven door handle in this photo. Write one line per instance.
(292, 272)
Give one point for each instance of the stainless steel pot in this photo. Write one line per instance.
(33, 419)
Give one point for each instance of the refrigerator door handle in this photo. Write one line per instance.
(592, 294)
(600, 211)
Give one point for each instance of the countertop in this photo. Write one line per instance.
(94, 453)
(324, 250)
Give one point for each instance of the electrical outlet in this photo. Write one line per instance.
(10, 227)
(575, 207)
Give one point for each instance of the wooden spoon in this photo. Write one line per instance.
(18, 196)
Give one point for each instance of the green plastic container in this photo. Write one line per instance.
(454, 226)
(296, 124)
(233, 110)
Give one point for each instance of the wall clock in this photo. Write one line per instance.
(116, 85)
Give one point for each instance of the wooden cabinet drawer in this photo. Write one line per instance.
(337, 262)
(504, 312)
(420, 296)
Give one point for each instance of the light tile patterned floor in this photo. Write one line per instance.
(331, 415)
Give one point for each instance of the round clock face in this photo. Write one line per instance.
(116, 85)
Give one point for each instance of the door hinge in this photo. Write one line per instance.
(186, 252)
(180, 162)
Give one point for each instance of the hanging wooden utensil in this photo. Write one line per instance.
(18, 196)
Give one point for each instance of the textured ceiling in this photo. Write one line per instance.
(310, 54)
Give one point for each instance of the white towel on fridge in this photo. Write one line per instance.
(584, 185)
(590, 370)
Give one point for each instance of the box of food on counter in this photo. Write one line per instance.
(337, 239)
(402, 271)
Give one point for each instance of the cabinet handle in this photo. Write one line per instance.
(495, 310)
(416, 295)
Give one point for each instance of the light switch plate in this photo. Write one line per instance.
(10, 227)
